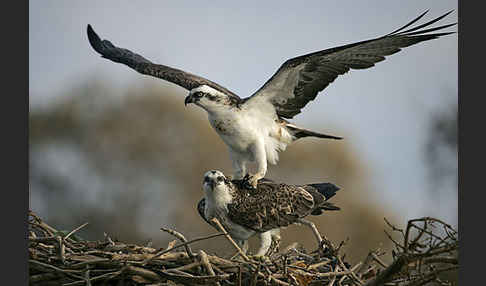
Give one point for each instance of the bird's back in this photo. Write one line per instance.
(273, 205)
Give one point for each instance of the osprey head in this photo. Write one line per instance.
(207, 98)
(214, 179)
(217, 189)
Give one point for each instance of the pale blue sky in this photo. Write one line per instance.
(382, 111)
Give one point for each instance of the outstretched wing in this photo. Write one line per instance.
(269, 206)
(300, 79)
(144, 66)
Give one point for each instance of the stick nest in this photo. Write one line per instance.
(427, 248)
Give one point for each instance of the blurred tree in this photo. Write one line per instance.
(441, 147)
(440, 153)
(132, 162)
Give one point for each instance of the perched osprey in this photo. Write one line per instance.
(245, 212)
(254, 128)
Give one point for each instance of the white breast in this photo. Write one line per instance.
(241, 129)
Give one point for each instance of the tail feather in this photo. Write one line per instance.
(321, 193)
(328, 190)
(300, 133)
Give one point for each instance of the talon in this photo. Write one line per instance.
(254, 183)
(250, 182)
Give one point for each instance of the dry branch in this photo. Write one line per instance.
(58, 259)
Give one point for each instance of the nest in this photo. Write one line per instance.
(60, 258)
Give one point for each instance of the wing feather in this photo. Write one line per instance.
(299, 80)
(146, 67)
(270, 206)
(200, 209)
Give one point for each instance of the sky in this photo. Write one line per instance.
(382, 111)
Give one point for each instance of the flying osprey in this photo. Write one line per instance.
(255, 128)
(245, 212)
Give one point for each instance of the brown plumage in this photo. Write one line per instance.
(146, 67)
(245, 211)
(273, 205)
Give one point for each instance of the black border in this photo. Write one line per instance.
(15, 96)
(470, 217)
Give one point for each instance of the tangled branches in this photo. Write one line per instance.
(59, 258)
(429, 248)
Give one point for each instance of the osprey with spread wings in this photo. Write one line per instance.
(255, 128)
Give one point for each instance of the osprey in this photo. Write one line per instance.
(262, 211)
(255, 128)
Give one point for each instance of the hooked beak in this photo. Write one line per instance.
(212, 184)
(187, 100)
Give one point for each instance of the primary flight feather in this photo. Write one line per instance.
(255, 128)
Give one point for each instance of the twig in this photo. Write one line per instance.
(65, 271)
(207, 265)
(378, 260)
(86, 276)
(430, 276)
(75, 230)
(313, 227)
(62, 249)
(194, 280)
(181, 238)
(162, 252)
(108, 238)
(279, 282)
(100, 277)
(332, 274)
(186, 267)
(318, 264)
(450, 260)
(384, 275)
(394, 241)
(221, 228)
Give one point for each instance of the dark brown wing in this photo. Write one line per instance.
(144, 66)
(200, 209)
(300, 79)
(270, 206)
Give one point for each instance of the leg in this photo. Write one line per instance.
(274, 247)
(260, 156)
(276, 234)
(239, 165)
(265, 243)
